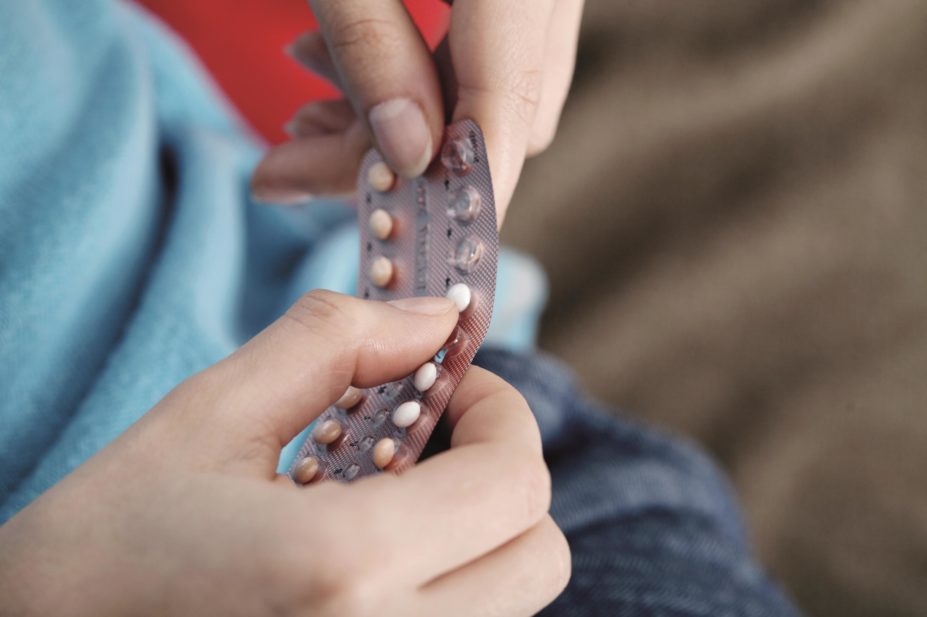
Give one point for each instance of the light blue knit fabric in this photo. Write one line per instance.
(130, 256)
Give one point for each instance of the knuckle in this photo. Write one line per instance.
(343, 584)
(531, 476)
(549, 561)
(524, 93)
(517, 94)
(561, 559)
(323, 312)
(346, 591)
(332, 321)
(351, 34)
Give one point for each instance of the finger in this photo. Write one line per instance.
(559, 62)
(497, 49)
(489, 488)
(321, 118)
(321, 165)
(388, 75)
(284, 377)
(309, 50)
(519, 578)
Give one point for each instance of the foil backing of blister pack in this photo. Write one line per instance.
(431, 248)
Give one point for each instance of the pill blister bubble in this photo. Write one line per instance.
(458, 156)
(379, 418)
(465, 204)
(365, 444)
(467, 255)
(456, 343)
(350, 472)
(442, 383)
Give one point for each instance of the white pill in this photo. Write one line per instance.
(460, 295)
(351, 397)
(381, 271)
(327, 432)
(380, 177)
(407, 413)
(380, 224)
(425, 376)
(384, 452)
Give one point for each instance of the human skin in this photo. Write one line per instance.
(506, 65)
(184, 514)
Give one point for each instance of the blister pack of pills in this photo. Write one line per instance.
(430, 236)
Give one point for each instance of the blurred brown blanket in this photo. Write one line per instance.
(734, 220)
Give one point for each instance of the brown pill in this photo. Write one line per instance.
(307, 470)
(351, 397)
(327, 432)
(384, 452)
(380, 177)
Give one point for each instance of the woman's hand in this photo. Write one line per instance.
(507, 65)
(184, 514)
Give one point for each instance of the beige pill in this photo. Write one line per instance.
(380, 224)
(380, 177)
(307, 470)
(351, 397)
(384, 452)
(381, 271)
(406, 414)
(327, 432)
(425, 376)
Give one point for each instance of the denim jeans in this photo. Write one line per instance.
(652, 526)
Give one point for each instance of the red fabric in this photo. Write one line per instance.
(241, 43)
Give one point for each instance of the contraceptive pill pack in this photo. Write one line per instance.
(433, 235)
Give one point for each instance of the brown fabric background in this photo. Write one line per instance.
(733, 219)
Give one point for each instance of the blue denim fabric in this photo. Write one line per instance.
(652, 525)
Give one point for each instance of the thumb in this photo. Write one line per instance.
(288, 374)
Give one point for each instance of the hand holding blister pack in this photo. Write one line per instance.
(430, 236)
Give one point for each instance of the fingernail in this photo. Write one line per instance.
(402, 134)
(423, 305)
